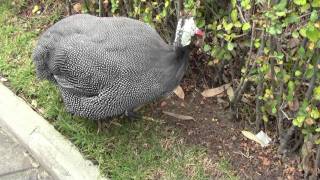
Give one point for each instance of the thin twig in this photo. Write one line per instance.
(259, 122)
(243, 20)
(253, 36)
(68, 3)
(180, 9)
(279, 98)
(317, 162)
(244, 80)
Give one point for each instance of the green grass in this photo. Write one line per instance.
(224, 167)
(140, 150)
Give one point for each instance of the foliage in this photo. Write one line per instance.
(146, 149)
(275, 44)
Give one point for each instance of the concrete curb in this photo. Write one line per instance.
(54, 152)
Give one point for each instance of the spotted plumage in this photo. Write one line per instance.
(106, 66)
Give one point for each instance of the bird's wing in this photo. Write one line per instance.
(82, 66)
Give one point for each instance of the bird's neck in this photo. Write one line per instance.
(182, 52)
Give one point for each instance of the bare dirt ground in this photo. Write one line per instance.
(216, 130)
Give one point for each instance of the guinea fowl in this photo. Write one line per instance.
(108, 66)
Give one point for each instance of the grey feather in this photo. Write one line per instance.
(105, 66)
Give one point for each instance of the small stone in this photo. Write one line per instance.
(2, 79)
(41, 110)
(34, 103)
(214, 119)
(234, 138)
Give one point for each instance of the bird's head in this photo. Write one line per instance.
(186, 29)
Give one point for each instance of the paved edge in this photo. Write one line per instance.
(53, 151)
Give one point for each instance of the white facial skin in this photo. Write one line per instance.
(186, 32)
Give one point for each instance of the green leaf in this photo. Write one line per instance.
(246, 26)
(237, 24)
(272, 30)
(313, 34)
(281, 5)
(292, 18)
(227, 26)
(281, 13)
(314, 113)
(234, 3)
(298, 73)
(301, 52)
(303, 32)
(257, 43)
(278, 55)
(305, 8)
(298, 121)
(234, 15)
(245, 4)
(316, 93)
(314, 16)
(309, 71)
(227, 56)
(291, 87)
(315, 3)
(295, 34)
(167, 3)
(206, 47)
(300, 2)
(230, 46)
(201, 23)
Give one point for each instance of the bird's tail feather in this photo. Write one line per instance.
(40, 59)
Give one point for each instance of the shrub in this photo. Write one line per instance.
(270, 48)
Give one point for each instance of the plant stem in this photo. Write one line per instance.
(86, 4)
(68, 3)
(259, 123)
(244, 80)
(101, 9)
(314, 76)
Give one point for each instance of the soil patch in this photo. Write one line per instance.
(214, 129)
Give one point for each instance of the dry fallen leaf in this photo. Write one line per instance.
(230, 93)
(35, 9)
(251, 136)
(309, 121)
(77, 7)
(178, 116)
(179, 92)
(260, 138)
(215, 91)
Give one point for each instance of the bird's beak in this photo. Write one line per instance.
(199, 32)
